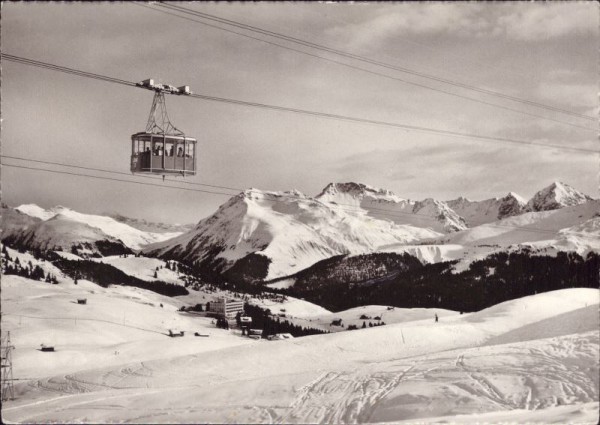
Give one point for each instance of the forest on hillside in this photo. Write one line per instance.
(495, 279)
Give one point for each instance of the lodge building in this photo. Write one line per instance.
(227, 308)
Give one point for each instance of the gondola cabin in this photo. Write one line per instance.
(162, 154)
(162, 148)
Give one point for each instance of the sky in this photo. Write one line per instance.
(543, 52)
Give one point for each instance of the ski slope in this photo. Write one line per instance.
(374, 314)
(119, 319)
(143, 268)
(414, 371)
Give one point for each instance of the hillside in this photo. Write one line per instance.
(63, 233)
(133, 238)
(13, 221)
(527, 227)
(496, 278)
(412, 371)
(150, 226)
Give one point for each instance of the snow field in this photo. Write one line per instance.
(292, 307)
(352, 317)
(414, 370)
(124, 320)
(143, 268)
(48, 267)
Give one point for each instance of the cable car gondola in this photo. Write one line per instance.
(162, 148)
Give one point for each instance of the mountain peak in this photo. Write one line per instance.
(36, 211)
(517, 197)
(356, 190)
(555, 196)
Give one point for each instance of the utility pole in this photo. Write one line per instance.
(8, 391)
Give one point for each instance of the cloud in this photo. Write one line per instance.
(454, 169)
(517, 21)
(540, 21)
(581, 96)
(419, 19)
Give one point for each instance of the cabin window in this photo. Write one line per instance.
(169, 148)
(158, 148)
(189, 152)
(180, 149)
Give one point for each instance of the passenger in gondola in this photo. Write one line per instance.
(170, 151)
(180, 152)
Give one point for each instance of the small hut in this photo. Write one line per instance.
(255, 333)
(81, 300)
(175, 333)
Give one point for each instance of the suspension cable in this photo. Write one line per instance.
(308, 112)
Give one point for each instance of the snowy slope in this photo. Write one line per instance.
(413, 371)
(130, 236)
(63, 233)
(568, 229)
(14, 221)
(528, 227)
(291, 306)
(292, 232)
(149, 226)
(36, 211)
(581, 238)
(373, 314)
(143, 268)
(119, 319)
(25, 258)
(557, 195)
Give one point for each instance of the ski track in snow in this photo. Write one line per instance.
(354, 395)
(364, 376)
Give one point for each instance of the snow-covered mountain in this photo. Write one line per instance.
(150, 226)
(36, 211)
(555, 196)
(14, 221)
(479, 212)
(130, 236)
(61, 233)
(288, 231)
(384, 204)
(266, 235)
(527, 227)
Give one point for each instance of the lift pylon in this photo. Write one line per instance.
(8, 391)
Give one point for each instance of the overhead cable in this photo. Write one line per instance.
(374, 72)
(307, 112)
(350, 55)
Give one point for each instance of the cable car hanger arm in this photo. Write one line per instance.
(164, 88)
